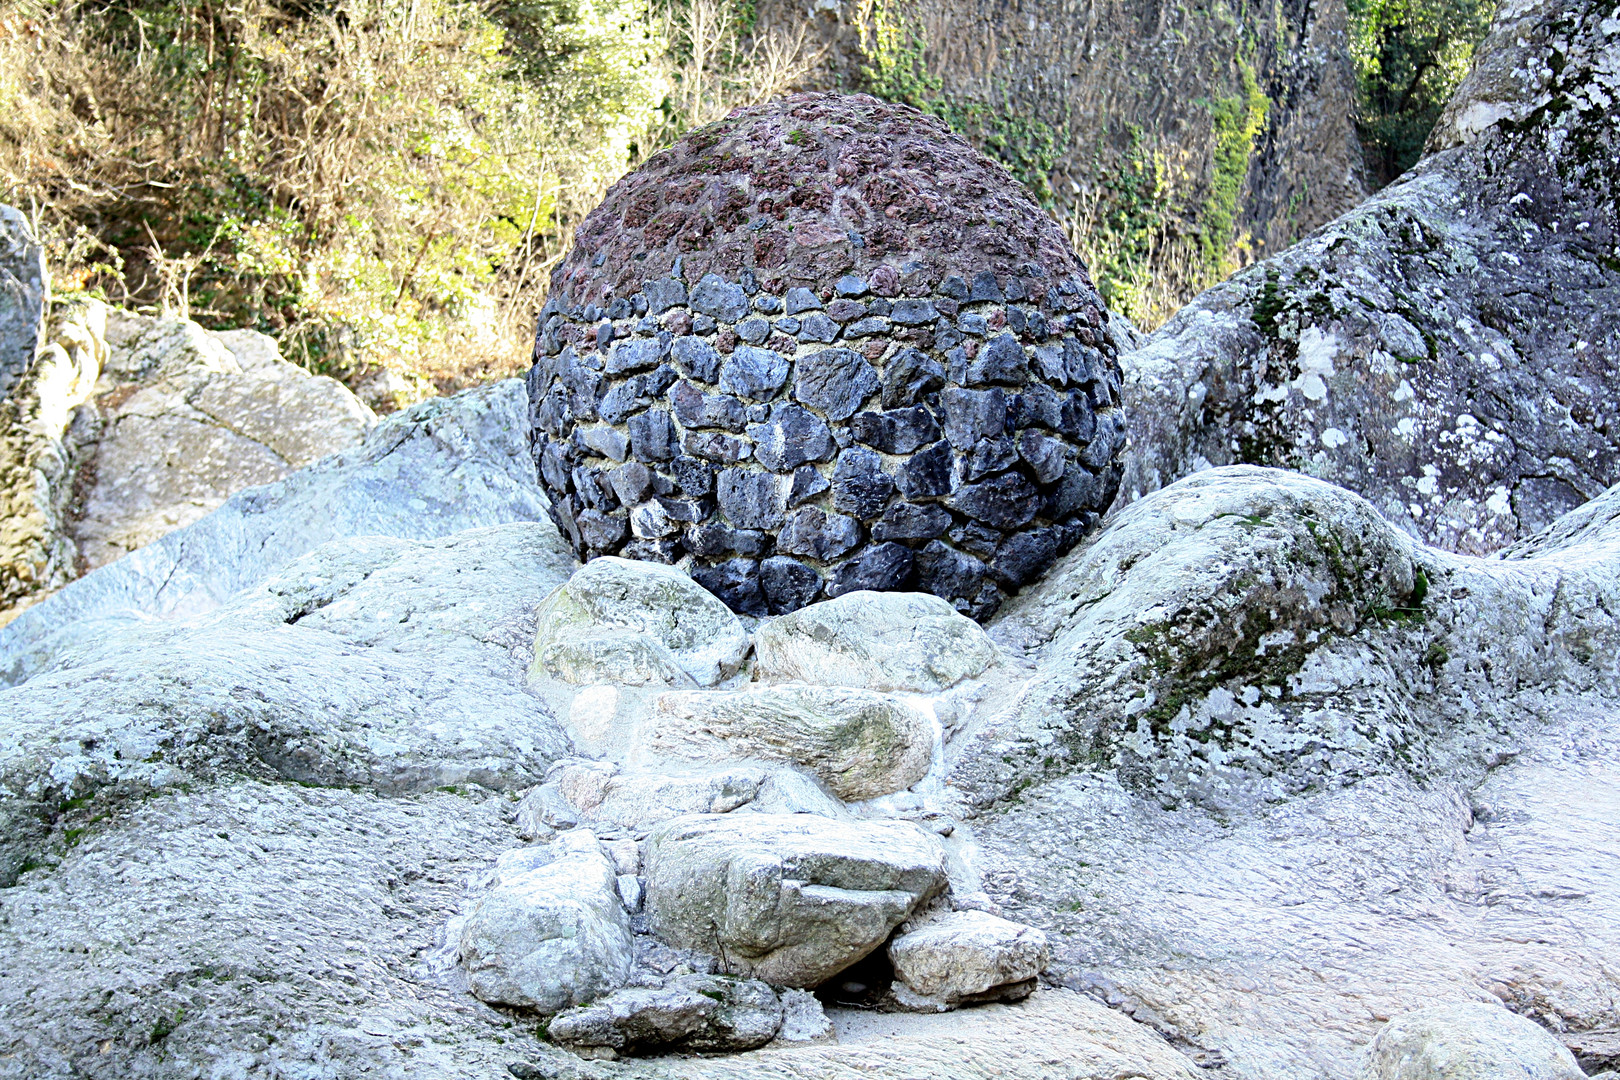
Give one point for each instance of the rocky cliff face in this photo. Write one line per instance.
(1155, 120)
(1445, 349)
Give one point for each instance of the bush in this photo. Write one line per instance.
(367, 180)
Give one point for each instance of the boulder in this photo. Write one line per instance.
(1442, 348)
(631, 622)
(903, 411)
(182, 424)
(438, 468)
(966, 957)
(1466, 1041)
(703, 1013)
(791, 899)
(600, 795)
(550, 936)
(859, 743)
(878, 641)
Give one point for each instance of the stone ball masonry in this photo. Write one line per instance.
(825, 345)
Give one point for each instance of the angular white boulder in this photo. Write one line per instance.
(638, 623)
(1468, 1040)
(859, 743)
(549, 936)
(791, 899)
(874, 640)
(964, 957)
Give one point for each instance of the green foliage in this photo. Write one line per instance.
(1237, 121)
(357, 177)
(1409, 56)
(896, 69)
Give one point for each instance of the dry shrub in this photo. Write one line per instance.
(374, 182)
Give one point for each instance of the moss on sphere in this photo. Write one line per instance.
(826, 345)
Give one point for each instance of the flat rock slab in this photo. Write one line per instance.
(1054, 1035)
(381, 663)
(617, 620)
(789, 899)
(875, 640)
(702, 1013)
(965, 956)
(860, 744)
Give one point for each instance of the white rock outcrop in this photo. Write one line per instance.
(381, 663)
(791, 899)
(1468, 1040)
(438, 468)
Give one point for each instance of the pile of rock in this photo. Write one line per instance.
(835, 390)
(722, 860)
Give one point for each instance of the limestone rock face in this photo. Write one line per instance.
(1444, 348)
(631, 622)
(966, 956)
(374, 662)
(792, 899)
(704, 1013)
(878, 641)
(551, 936)
(1246, 634)
(41, 440)
(825, 346)
(1466, 1041)
(184, 424)
(24, 288)
(437, 468)
(859, 743)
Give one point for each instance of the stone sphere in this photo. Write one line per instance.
(825, 345)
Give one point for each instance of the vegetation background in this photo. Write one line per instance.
(386, 184)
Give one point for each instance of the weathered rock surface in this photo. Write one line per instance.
(393, 665)
(966, 956)
(792, 899)
(933, 406)
(1466, 1041)
(184, 419)
(620, 621)
(859, 743)
(1247, 634)
(878, 641)
(704, 1013)
(435, 469)
(1058, 1034)
(613, 801)
(1444, 348)
(24, 288)
(551, 935)
(39, 445)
